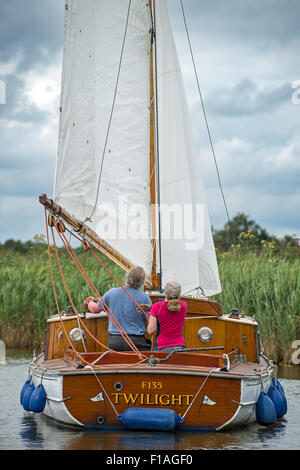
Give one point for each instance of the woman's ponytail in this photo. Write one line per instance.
(174, 305)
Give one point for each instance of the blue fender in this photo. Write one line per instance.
(26, 397)
(277, 399)
(155, 419)
(281, 390)
(24, 388)
(265, 410)
(38, 399)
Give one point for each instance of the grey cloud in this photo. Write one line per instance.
(242, 39)
(276, 213)
(268, 23)
(34, 31)
(23, 218)
(245, 98)
(26, 168)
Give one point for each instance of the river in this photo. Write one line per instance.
(21, 430)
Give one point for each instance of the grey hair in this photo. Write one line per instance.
(172, 289)
(136, 277)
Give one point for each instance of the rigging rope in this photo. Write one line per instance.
(76, 313)
(125, 290)
(143, 358)
(95, 291)
(204, 112)
(63, 326)
(53, 287)
(111, 112)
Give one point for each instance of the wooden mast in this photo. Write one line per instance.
(155, 276)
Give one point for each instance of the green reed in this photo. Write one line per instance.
(265, 286)
(26, 291)
(259, 282)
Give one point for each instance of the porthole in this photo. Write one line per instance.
(77, 335)
(118, 386)
(100, 420)
(205, 334)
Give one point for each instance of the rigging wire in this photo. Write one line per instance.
(111, 112)
(209, 135)
(204, 112)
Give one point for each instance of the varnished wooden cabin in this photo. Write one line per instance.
(235, 333)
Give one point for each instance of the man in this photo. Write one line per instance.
(126, 312)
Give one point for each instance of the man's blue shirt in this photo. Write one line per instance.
(125, 310)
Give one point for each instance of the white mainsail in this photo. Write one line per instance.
(111, 188)
(94, 33)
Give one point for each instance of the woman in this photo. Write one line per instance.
(171, 316)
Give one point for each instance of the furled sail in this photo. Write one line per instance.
(102, 172)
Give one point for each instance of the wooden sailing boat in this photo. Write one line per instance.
(125, 140)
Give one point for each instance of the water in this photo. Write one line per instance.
(20, 430)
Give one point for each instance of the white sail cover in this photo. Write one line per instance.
(112, 188)
(191, 257)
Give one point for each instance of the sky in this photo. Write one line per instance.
(247, 58)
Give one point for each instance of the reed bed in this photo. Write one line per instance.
(260, 283)
(26, 292)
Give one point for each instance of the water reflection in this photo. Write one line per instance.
(37, 431)
(31, 434)
(289, 372)
(71, 439)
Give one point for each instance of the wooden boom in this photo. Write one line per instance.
(86, 232)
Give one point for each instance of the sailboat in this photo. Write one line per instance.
(126, 168)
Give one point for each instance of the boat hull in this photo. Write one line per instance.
(203, 400)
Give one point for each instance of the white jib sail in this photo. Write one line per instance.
(118, 202)
(189, 255)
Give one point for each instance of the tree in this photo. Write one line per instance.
(234, 229)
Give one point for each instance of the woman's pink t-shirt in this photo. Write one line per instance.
(171, 324)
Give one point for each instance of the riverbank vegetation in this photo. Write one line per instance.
(260, 277)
